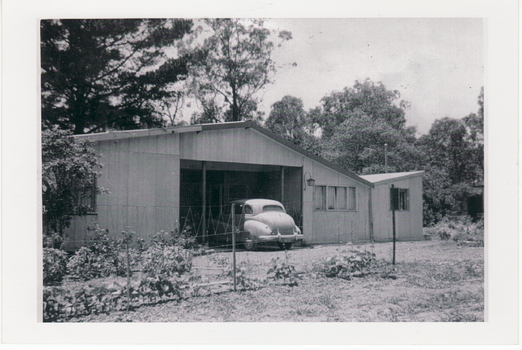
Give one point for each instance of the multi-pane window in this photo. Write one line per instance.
(334, 198)
(403, 199)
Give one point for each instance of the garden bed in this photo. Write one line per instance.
(432, 281)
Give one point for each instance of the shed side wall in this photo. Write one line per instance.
(141, 176)
(335, 226)
(408, 222)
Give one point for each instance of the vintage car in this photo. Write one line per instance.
(257, 221)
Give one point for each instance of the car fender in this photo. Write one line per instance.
(257, 228)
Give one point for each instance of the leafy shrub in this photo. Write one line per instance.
(62, 303)
(166, 261)
(469, 231)
(85, 265)
(242, 279)
(342, 266)
(183, 238)
(282, 270)
(459, 229)
(100, 242)
(52, 239)
(54, 265)
(105, 255)
(68, 165)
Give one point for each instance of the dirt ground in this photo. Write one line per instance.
(432, 281)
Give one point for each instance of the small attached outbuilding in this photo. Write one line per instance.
(408, 216)
(162, 179)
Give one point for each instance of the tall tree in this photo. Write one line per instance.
(448, 148)
(358, 144)
(357, 122)
(474, 124)
(233, 63)
(367, 97)
(289, 120)
(100, 74)
(454, 162)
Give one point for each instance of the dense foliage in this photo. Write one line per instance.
(69, 169)
(459, 229)
(347, 266)
(289, 120)
(102, 74)
(358, 127)
(54, 265)
(231, 65)
(101, 256)
(183, 238)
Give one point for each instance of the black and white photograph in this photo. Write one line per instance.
(263, 172)
(174, 190)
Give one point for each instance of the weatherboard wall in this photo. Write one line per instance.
(335, 226)
(237, 145)
(141, 179)
(408, 223)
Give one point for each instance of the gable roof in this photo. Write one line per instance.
(391, 177)
(123, 134)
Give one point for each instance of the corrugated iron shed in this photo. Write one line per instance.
(111, 135)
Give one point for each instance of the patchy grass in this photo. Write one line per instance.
(432, 281)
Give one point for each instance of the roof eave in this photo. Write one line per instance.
(399, 178)
(310, 155)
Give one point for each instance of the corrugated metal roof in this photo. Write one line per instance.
(111, 135)
(390, 177)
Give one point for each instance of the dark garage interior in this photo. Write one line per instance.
(225, 182)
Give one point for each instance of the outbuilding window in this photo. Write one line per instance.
(403, 199)
(334, 198)
(85, 199)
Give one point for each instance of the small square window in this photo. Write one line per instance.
(402, 199)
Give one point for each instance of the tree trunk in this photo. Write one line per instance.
(235, 107)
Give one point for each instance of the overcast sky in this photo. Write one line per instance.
(436, 64)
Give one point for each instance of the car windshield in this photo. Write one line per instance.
(273, 208)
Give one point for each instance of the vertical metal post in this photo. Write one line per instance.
(282, 184)
(386, 158)
(234, 244)
(204, 208)
(128, 275)
(370, 214)
(393, 220)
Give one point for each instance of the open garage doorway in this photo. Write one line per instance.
(206, 188)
